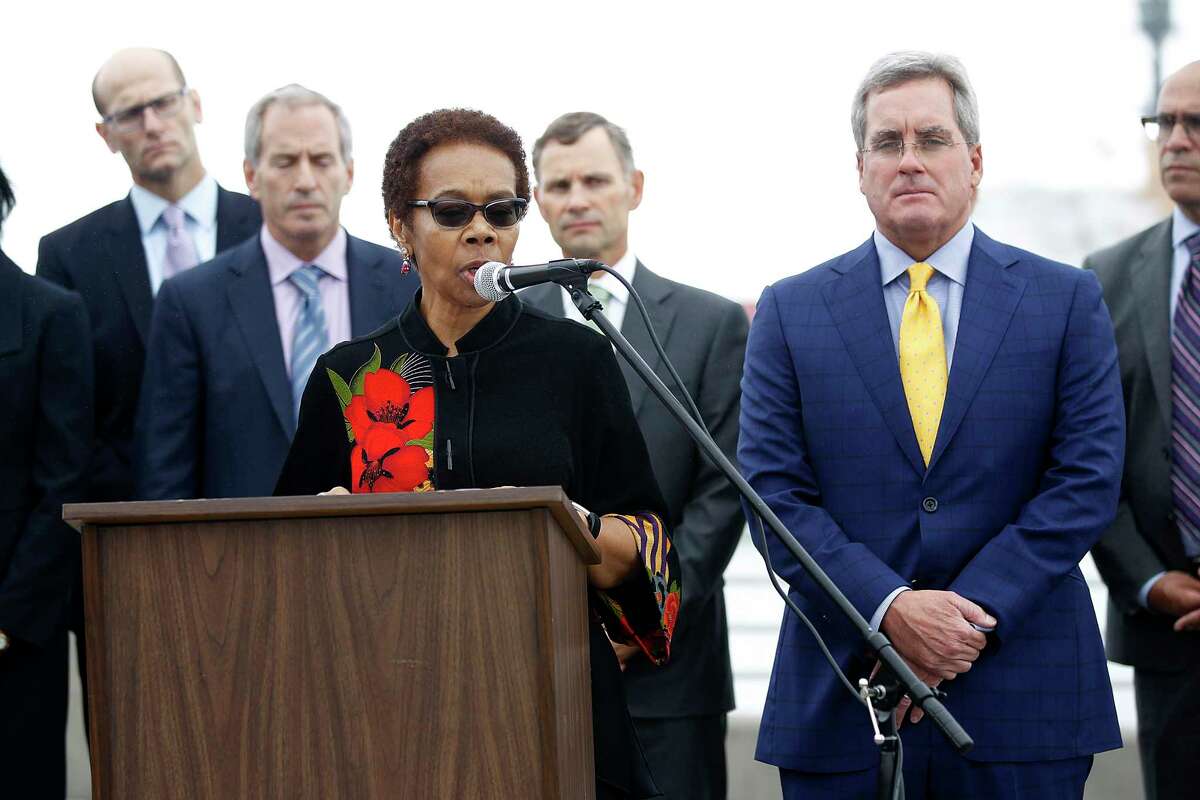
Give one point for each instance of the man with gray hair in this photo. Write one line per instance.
(936, 416)
(587, 185)
(233, 341)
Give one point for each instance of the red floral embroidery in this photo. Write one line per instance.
(387, 400)
(671, 612)
(382, 462)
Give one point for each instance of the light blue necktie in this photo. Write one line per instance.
(310, 338)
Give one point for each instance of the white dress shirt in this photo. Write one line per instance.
(199, 219)
(614, 309)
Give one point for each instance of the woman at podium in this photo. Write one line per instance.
(460, 392)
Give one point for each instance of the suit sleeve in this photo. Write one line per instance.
(35, 589)
(319, 458)
(774, 457)
(618, 481)
(1123, 556)
(1078, 493)
(711, 523)
(109, 471)
(167, 443)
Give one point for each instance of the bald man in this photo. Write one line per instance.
(116, 257)
(1149, 556)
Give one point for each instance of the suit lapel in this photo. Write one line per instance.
(236, 222)
(370, 296)
(1150, 275)
(123, 242)
(655, 293)
(253, 304)
(12, 320)
(546, 297)
(855, 303)
(989, 300)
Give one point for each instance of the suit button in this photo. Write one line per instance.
(1170, 516)
(929, 504)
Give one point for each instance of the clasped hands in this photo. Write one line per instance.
(1177, 594)
(932, 631)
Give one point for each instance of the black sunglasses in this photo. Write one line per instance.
(459, 213)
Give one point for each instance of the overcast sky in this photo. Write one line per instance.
(738, 112)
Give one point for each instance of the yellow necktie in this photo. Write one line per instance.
(923, 358)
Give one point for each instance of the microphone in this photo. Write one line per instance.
(495, 281)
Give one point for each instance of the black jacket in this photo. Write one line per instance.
(530, 400)
(705, 339)
(45, 429)
(101, 257)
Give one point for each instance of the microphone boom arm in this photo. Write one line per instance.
(922, 696)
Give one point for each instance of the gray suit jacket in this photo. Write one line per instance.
(1143, 541)
(705, 338)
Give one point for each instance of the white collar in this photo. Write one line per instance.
(625, 267)
(200, 204)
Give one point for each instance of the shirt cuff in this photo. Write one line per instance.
(1144, 592)
(877, 617)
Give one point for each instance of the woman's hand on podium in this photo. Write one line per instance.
(334, 490)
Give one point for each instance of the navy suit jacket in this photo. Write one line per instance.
(1023, 479)
(215, 417)
(101, 257)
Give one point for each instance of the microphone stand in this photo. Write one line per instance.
(894, 679)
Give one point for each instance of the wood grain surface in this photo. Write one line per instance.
(370, 655)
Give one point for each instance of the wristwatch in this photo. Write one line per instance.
(4, 643)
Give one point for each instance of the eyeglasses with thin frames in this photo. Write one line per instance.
(132, 119)
(924, 148)
(454, 214)
(1159, 127)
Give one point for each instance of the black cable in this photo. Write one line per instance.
(691, 404)
(766, 553)
(687, 397)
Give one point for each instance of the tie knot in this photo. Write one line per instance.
(306, 278)
(172, 215)
(1192, 243)
(600, 293)
(918, 276)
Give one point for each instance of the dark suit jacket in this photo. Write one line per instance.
(1024, 478)
(101, 257)
(216, 418)
(705, 338)
(45, 428)
(1143, 541)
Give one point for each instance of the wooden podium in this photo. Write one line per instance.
(370, 646)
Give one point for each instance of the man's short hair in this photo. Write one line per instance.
(910, 65)
(96, 81)
(568, 129)
(292, 96)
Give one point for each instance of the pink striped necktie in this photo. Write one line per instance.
(181, 250)
(1185, 404)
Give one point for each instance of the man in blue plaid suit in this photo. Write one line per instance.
(937, 418)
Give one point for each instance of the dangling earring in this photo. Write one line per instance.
(405, 265)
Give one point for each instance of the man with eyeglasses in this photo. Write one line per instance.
(116, 257)
(1150, 556)
(587, 185)
(936, 416)
(232, 342)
